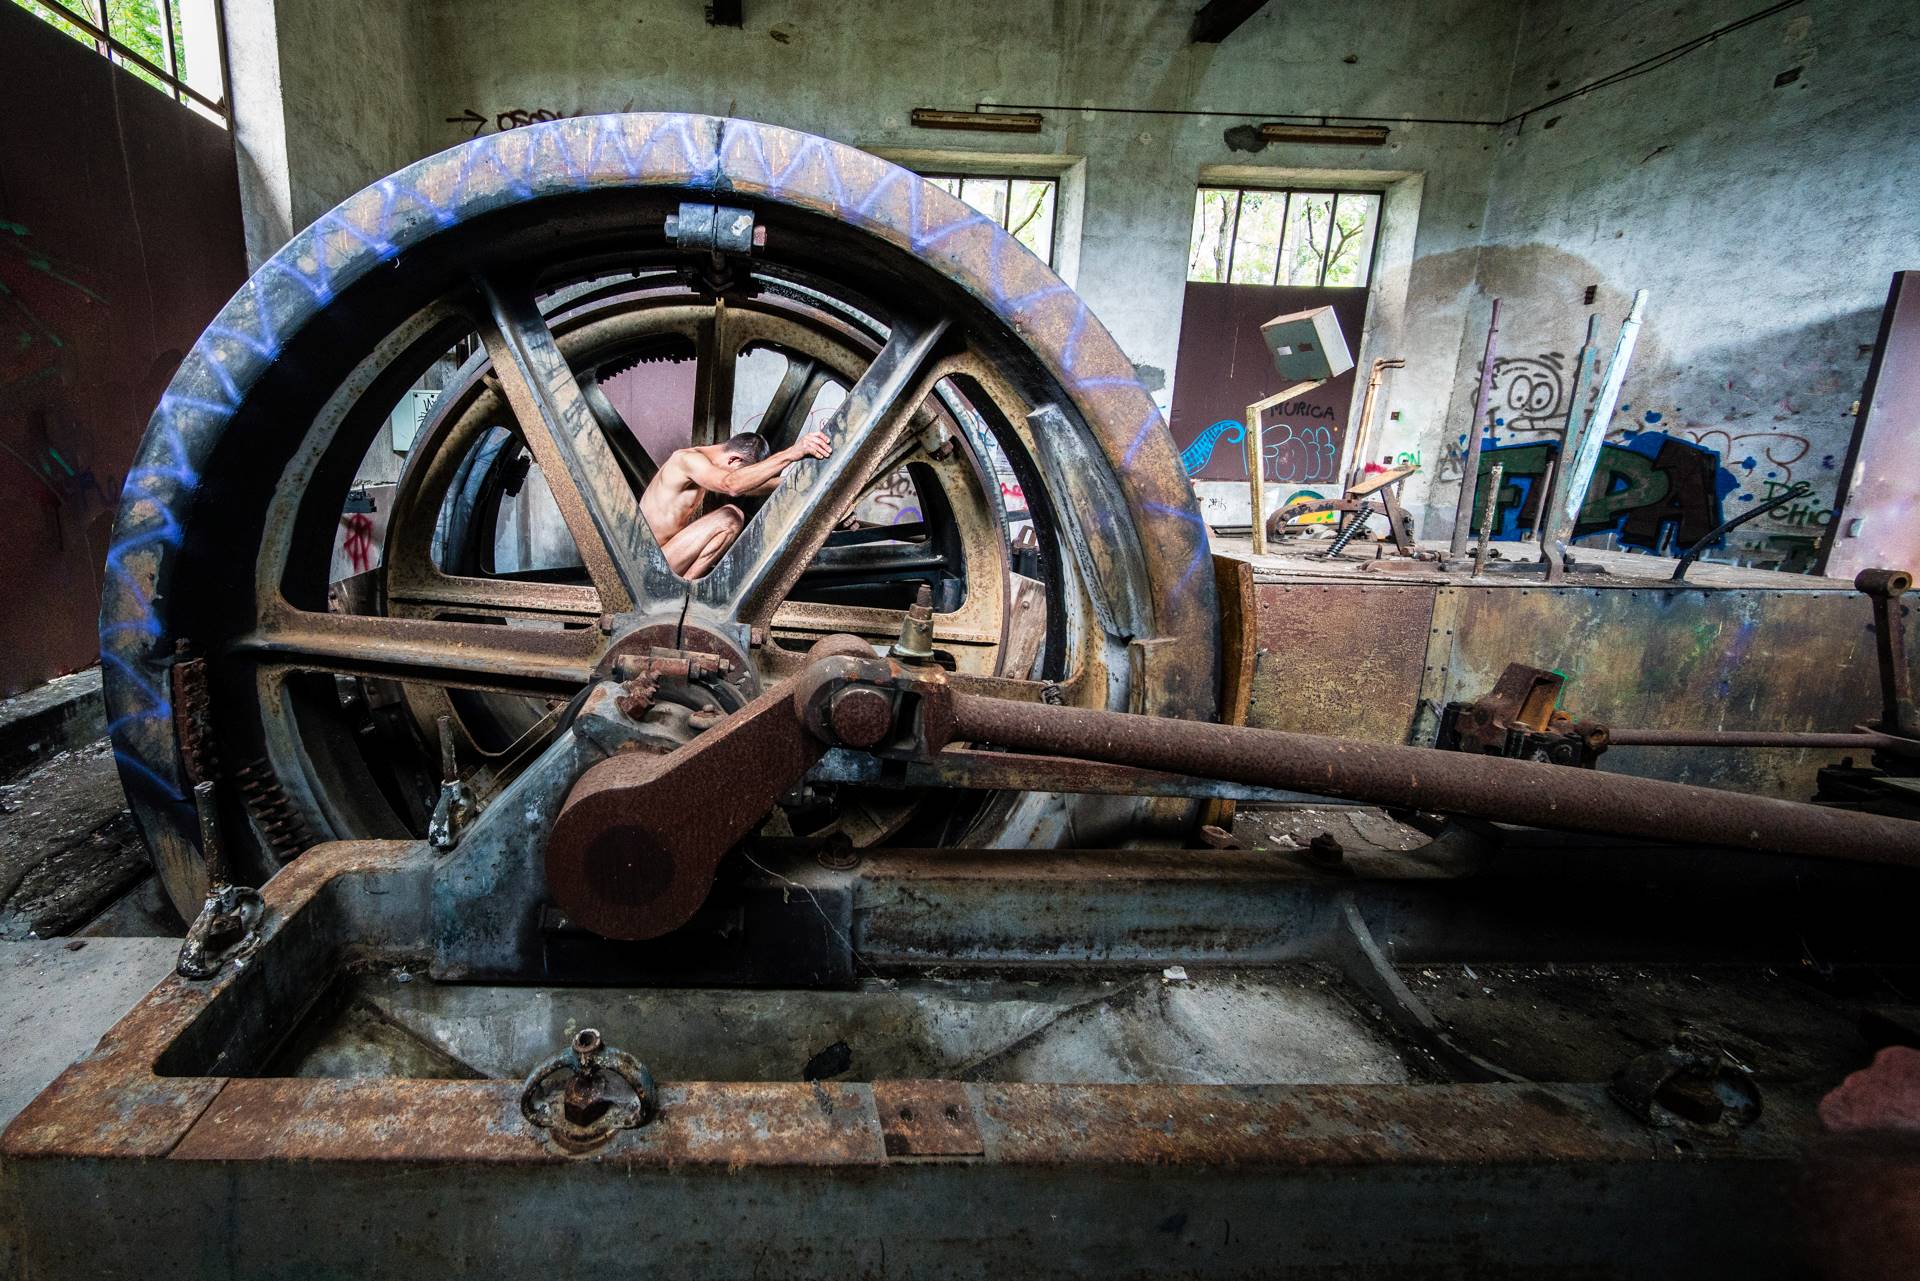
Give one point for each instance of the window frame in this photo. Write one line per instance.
(1053, 180)
(1279, 261)
(119, 55)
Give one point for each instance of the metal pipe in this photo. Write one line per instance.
(1800, 490)
(1470, 468)
(1556, 519)
(1542, 493)
(1753, 738)
(1363, 439)
(1424, 778)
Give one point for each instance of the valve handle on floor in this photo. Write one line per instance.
(582, 1115)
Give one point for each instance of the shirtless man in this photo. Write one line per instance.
(740, 467)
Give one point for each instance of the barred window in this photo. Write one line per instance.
(177, 46)
(1026, 207)
(1258, 236)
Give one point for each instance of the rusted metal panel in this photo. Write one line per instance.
(717, 1123)
(1343, 659)
(1874, 524)
(125, 209)
(1659, 658)
(1333, 1125)
(927, 1118)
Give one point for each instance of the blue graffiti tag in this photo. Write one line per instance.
(1196, 455)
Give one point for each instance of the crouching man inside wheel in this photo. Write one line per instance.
(739, 467)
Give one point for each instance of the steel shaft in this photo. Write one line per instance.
(1421, 778)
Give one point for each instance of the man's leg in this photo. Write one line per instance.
(694, 550)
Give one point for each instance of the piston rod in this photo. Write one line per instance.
(1420, 778)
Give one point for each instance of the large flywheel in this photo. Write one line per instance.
(588, 295)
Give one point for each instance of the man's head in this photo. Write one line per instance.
(747, 447)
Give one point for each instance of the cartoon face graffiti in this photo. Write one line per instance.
(1529, 392)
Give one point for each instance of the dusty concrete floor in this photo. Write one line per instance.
(69, 850)
(71, 864)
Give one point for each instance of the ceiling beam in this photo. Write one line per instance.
(1221, 18)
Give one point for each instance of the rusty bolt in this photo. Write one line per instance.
(605, 624)
(1325, 849)
(860, 715)
(583, 1101)
(916, 629)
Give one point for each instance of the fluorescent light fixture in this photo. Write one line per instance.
(1336, 135)
(982, 121)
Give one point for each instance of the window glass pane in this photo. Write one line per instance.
(949, 185)
(1356, 219)
(50, 12)
(988, 195)
(1212, 236)
(1031, 215)
(1306, 243)
(135, 25)
(196, 43)
(1256, 241)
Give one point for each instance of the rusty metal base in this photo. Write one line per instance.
(162, 1152)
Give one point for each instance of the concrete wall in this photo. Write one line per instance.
(327, 98)
(1765, 222)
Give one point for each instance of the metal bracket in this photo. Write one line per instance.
(457, 805)
(228, 926)
(718, 228)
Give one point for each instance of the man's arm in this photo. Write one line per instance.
(758, 478)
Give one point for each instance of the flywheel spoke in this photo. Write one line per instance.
(505, 597)
(762, 565)
(600, 509)
(470, 655)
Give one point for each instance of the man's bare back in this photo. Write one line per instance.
(738, 468)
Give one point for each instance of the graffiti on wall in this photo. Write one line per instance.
(1199, 450)
(1663, 495)
(35, 360)
(1530, 392)
(477, 123)
(1653, 491)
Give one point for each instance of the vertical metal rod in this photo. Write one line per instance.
(449, 762)
(212, 849)
(1885, 587)
(1255, 480)
(1486, 521)
(1470, 468)
(1554, 531)
(1363, 438)
(1593, 434)
(1541, 493)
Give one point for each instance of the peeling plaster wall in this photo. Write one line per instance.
(1765, 222)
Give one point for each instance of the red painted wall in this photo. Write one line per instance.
(120, 239)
